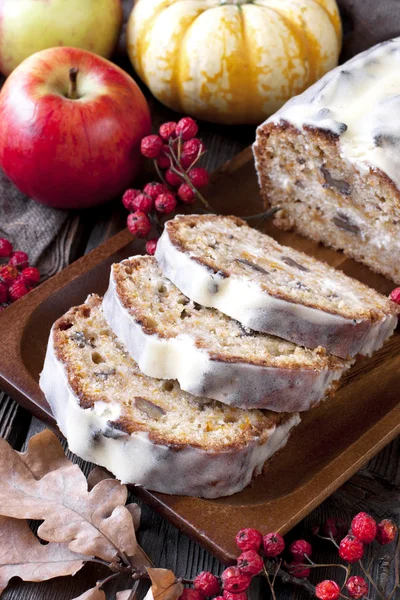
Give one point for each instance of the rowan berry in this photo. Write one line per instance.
(167, 130)
(129, 197)
(250, 563)
(19, 260)
(298, 569)
(31, 275)
(235, 581)
(154, 189)
(151, 146)
(186, 128)
(364, 527)
(357, 587)
(274, 544)
(395, 295)
(151, 246)
(386, 531)
(232, 596)
(207, 584)
(300, 549)
(8, 274)
(327, 590)
(351, 549)
(166, 203)
(164, 160)
(186, 194)
(173, 178)
(199, 177)
(139, 224)
(335, 527)
(249, 539)
(143, 203)
(191, 594)
(193, 148)
(17, 290)
(5, 248)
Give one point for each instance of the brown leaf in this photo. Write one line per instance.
(95, 523)
(45, 454)
(164, 584)
(22, 555)
(96, 475)
(136, 513)
(92, 594)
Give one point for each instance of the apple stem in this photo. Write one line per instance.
(73, 76)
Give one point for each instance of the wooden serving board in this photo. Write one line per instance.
(333, 440)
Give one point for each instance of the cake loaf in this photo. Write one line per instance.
(330, 160)
(172, 337)
(149, 431)
(222, 263)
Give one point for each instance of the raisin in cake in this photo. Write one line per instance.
(222, 263)
(148, 431)
(172, 337)
(330, 158)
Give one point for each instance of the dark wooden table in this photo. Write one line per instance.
(376, 488)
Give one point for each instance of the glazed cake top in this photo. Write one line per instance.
(229, 248)
(359, 103)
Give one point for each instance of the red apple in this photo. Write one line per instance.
(71, 126)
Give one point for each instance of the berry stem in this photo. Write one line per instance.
(285, 577)
(159, 173)
(264, 215)
(72, 90)
(178, 169)
(370, 579)
(196, 160)
(271, 585)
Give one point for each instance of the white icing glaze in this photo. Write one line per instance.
(359, 102)
(247, 302)
(238, 384)
(136, 459)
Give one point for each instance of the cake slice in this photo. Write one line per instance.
(222, 263)
(148, 431)
(172, 337)
(330, 159)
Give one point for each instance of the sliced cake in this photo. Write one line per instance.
(222, 263)
(330, 159)
(210, 354)
(148, 431)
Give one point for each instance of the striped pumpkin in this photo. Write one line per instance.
(232, 61)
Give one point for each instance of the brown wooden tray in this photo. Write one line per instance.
(332, 442)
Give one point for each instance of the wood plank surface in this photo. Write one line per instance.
(376, 488)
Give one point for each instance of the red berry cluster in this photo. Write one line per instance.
(176, 151)
(17, 278)
(363, 530)
(259, 552)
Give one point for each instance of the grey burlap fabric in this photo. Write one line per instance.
(44, 233)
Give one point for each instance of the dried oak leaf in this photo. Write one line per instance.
(22, 555)
(136, 513)
(164, 585)
(96, 475)
(94, 523)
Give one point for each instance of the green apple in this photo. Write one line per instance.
(27, 26)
